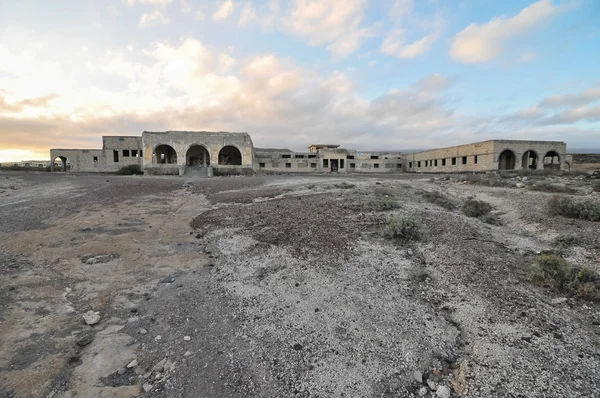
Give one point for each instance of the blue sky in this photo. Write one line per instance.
(364, 74)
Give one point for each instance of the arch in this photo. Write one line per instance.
(230, 155)
(63, 163)
(164, 154)
(197, 155)
(530, 160)
(552, 160)
(507, 160)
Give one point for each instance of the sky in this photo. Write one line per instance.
(370, 75)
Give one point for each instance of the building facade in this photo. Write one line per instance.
(205, 153)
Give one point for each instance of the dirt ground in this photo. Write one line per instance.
(285, 286)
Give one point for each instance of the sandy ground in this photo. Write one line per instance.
(284, 286)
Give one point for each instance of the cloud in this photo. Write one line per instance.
(19, 105)
(526, 57)
(224, 10)
(582, 98)
(154, 18)
(400, 9)
(334, 23)
(434, 82)
(482, 43)
(248, 15)
(394, 45)
(148, 2)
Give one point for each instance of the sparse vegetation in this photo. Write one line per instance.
(402, 228)
(476, 208)
(554, 271)
(132, 169)
(555, 188)
(382, 204)
(491, 219)
(345, 185)
(438, 198)
(568, 207)
(596, 186)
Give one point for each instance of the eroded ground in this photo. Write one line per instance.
(285, 286)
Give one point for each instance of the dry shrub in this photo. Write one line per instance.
(568, 207)
(402, 228)
(554, 271)
(476, 208)
(438, 198)
(555, 188)
(382, 204)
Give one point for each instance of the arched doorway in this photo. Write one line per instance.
(197, 155)
(164, 154)
(230, 155)
(530, 160)
(552, 160)
(507, 160)
(60, 162)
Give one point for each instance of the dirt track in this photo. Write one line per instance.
(286, 287)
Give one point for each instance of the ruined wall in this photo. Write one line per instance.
(539, 148)
(285, 161)
(374, 162)
(470, 157)
(81, 160)
(182, 141)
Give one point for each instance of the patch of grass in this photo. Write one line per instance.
(476, 208)
(132, 169)
(381, 191)
(402, 228)
(438, 198)
(345, 185)
(547, 187)
(382, 204)
(554, 271)
(569, 207)
(566, 240)
(490, 180)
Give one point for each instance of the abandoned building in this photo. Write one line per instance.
(203, 153)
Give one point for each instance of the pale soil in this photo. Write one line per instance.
(285, 288)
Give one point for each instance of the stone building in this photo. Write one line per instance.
(203, 153)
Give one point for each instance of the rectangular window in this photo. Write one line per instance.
(350, 157)
(141, 154)
(419, 163)
(115, 156)
(125, 153)
(288, 165)
(453, 161)
(464, 160)
(286, 156)
(313, 165)
(95, 159)
(352, 165)
(325, 162)
(475, 159)
(341, 163)
(399, 165)
(376, 165)
(134, 153)
(299, 156)
(312, 156)
(435, 163)
(374, 157)
(427, 163)
(261, 165)
(410, 165)
(443, 162)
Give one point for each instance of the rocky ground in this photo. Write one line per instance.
(285, 286)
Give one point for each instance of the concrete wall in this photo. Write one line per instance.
(182, 141)
(284, 160)
(482, 156)
(374, 162)
(84, 160)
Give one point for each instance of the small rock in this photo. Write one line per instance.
(558, 301)
(91, 317)
(187, 338)
(142, 331)
(422, 392)
(520, 185)
(418, 376)
(121, 371)
(159, 367)
(147, 387)
(443, 392)
(132, 364)
(431, 385)
(187, 354)
(158, 337)
(85, 339)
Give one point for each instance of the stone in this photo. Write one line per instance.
(431, 385)
(418, 376)
(158, 337)
(187, 354)
(520, 185)
(422, 392)
(160, 366)
(443, 392)
(121, 371)
(147, 387)
(142, 331)
(91, 317)
(187, 338)
(559, 300)
(132, 364)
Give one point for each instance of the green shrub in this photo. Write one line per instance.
(568, 207)
(547, 187)
(402, 228)
(382, 204)
(132, 169)
(438, 198)
(554, 271)
(476, 208)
